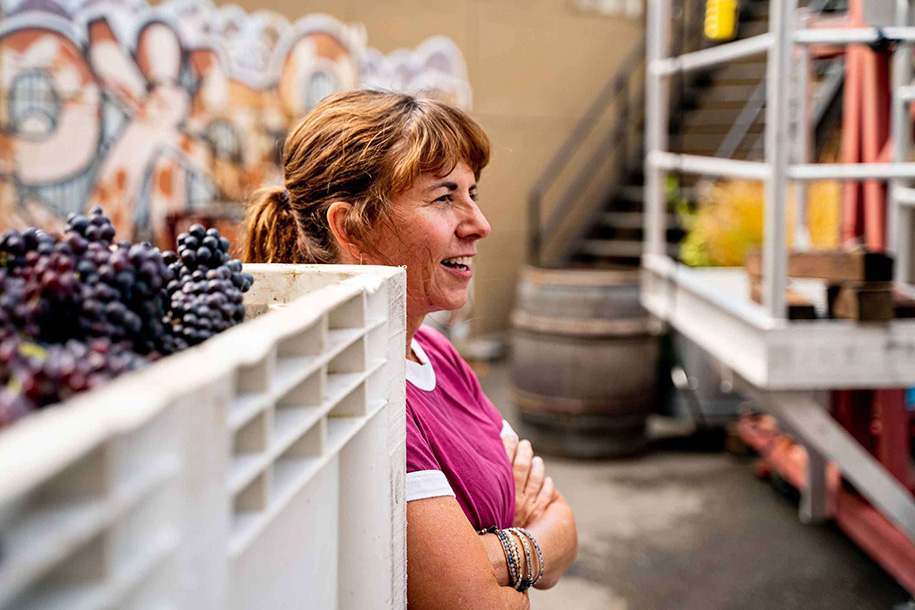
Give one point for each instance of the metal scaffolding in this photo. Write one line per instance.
(778, 170)
(782, 362)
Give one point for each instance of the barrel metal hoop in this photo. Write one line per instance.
(590, 327)
(579, 277)
(528, 402)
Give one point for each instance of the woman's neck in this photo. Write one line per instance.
(413, 324)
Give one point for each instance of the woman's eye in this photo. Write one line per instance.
(445, 198)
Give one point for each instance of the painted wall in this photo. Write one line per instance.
(154, 111)
(534, 66)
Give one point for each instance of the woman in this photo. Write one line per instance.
(387, 179)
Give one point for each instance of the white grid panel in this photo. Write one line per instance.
(261, 469)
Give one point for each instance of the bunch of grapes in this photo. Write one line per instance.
(82, 308)
(82, 286)
(124, 298)
(205, 297)
(41, 290)
(34, 376)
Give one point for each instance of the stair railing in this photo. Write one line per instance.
(617, 92)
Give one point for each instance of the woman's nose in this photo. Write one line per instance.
(475, 225)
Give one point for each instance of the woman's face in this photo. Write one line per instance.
(437, 225)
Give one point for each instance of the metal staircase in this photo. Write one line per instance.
(595, 214)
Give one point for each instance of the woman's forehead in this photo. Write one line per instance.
(460, 176)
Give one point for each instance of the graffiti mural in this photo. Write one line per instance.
(152, 111)
(436, 66)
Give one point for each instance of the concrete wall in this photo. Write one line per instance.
(534, 66)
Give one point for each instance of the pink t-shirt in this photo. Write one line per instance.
(454, 436)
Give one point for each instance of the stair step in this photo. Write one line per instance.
(618, 249)
(708, 144)
(719, 106)
(631, 220)
(728, 93)
(754, 27)
(739, 74)
(716, 118)
(719, 130)
(631, 192)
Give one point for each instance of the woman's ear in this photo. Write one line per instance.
(336, 220)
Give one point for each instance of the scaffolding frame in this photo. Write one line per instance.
(777, 171)
(780, 362)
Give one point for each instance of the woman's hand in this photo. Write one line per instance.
(544, 512)
(534, 491)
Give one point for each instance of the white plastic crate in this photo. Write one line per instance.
(263, 469)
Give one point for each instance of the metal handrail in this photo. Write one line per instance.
(615, 87)
(618, 88)
(580, 184)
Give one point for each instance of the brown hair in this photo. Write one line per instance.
(362, 147)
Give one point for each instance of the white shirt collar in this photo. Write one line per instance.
(420, 374)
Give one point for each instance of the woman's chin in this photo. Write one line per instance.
(450, 302)
(458, 301)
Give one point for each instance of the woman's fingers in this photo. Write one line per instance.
(532, 489)
(510, 442)
(521, 465)
(544, 499)
(535, 478)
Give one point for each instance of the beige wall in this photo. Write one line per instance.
(534, 67)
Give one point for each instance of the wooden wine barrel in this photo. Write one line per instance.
(585, 362)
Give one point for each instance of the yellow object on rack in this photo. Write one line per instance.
(729, 221)
(720, 19)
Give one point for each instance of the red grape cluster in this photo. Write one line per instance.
(206, 295)
(34, 376)
(78, 309)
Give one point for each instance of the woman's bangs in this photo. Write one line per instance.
(441, 138)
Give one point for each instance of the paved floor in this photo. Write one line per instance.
(697, 531)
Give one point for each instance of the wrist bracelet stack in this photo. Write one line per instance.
(519, 581)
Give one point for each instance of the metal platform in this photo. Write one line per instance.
(712, 307)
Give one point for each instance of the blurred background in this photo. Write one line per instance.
(170, 113)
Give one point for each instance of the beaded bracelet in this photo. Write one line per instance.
(506, 548)
(539, 554)
(516, 557)
(525, 583)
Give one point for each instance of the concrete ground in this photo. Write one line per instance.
(679, 529)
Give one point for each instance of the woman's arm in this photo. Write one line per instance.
(557, 536)
(447, 563)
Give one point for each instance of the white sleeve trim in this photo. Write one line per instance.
(427, 484)
(507, 430)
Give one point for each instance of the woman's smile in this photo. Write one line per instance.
(459, 266)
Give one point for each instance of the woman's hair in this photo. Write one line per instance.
(361, 147)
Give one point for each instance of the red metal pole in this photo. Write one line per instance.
(851, 125)
(875, 133)
(851, 142)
